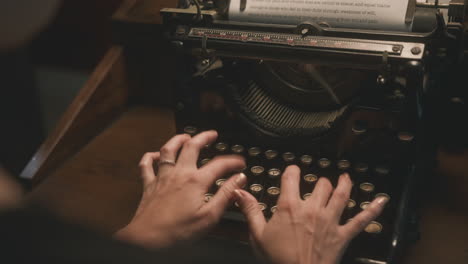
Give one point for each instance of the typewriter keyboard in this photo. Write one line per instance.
(376, 170)
(265, 167)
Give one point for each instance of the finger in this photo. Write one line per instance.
(289, 186)
(221, 166)
(225, 195)
(146, 167)
(360, 221)
(321, 193)
(250, 208)
(169, 151)
(340, 196)
(189, 154)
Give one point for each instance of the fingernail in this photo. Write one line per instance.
(346, 175)
(238, 193)
(382, 200)
(241, 180)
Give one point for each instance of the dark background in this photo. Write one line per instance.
(39, 80)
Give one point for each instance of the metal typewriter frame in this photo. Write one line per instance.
(411, 54)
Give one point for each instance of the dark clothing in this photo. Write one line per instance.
(35, 236)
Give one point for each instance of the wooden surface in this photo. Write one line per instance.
(143, 11)
(444, 237)
(103, 96)
(100, 186)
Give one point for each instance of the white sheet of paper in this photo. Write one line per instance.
(360, 14)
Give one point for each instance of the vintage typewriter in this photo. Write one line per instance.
(330, 99)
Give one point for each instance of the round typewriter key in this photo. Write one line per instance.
(221, 146)
(220, 182)
(351, 204)
(310, 178)
(405, 136)
(191, 130)
(238, 149)
(374, 228)
(254, 151)
(324, 163)
(204, 161)
(383, 195)
(262, 206)
(306, 159)
(360, 127)
(361, 167)
(364, 205)
(257, 170)
(273, 209)
(271, 154)
(208, 197)
(288, 156)
(306, 195)
(349, 210)
(273, 191)
(344, 164)
(256, 188)
(274, 173)
(382, 170)
(367, 187)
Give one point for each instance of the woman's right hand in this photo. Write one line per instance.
(306, 231)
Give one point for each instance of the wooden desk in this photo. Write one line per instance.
(87, 171)
(99, 186)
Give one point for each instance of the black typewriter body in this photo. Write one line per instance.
(328, 100)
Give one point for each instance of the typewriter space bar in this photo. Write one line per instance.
(395, 49)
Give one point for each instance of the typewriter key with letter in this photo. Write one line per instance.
(324, 163)
(273, 209)
(271, 154)
(257, 170)
(343, 164)
(305, 163)
(191, 130)
(374, 228)
(237, 149)
(221, 147)
(272, 159)
(274, 173)
(349, 211)
(289, 157)
(365, 191)
(256, 189)
(204, 161)
(306, 160)
(208, 197)
(254, 151)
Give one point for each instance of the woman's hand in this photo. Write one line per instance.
(172, 207)
(306, 231)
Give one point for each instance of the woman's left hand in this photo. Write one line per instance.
(172, 207)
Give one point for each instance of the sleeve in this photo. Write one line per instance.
(34, 236)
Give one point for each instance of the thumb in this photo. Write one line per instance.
(250, 208)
